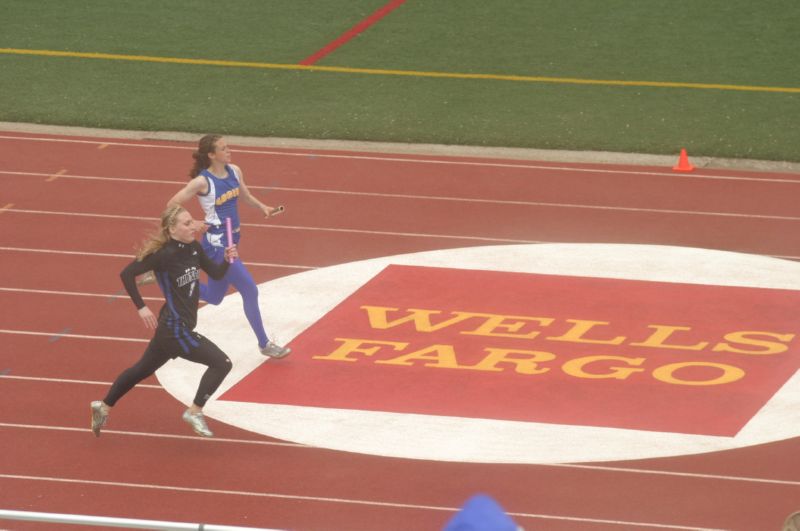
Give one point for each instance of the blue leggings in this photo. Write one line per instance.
(240, 277)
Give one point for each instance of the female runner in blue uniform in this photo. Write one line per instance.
(218, 184)
(176, 260)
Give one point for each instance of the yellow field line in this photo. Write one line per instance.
(411, 73)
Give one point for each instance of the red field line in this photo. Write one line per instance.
(352, 32)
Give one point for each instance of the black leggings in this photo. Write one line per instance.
(164, 347)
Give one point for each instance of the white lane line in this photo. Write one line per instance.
(153, 435)
(111, 179)
(130, 256)
(448, 160)
(692, 475)
(594, 468)
(291, 266)
(64, 380)
(289, 227)
(72, 336)
(579, 206)
(346, 501)
(56, 251)
(112, 297)
(118, 295)
(502, 202)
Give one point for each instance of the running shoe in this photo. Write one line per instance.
(274, 350)
(99, 416)
(198, 423)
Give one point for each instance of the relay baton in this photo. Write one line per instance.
(229, 234)
(277, 210)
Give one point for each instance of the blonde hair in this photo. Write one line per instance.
(159, 238)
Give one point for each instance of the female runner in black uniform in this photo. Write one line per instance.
(176, 259)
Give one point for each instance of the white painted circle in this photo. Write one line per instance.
(293, 303)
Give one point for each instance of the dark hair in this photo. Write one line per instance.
(201, 160)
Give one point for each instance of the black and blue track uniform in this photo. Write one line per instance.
(177, 268)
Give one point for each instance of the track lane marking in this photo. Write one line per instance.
(418, 197)
(154, 435)
(157, 435)
(72, 336)
(65, 380)
(345, 501)
(536, 204)
(260, 264)
(111, 179)
(130, 256)
(55, 176)
(74, 293)
(594, 468)
(58, 335)
(378, 158)
(289, 227)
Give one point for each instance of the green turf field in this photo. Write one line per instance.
(718, 77)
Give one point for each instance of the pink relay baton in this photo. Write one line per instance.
(229, 231)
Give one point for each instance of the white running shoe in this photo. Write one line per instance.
(99, 416)
(274, 350)
(198, 423)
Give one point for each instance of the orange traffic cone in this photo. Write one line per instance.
(683, 163)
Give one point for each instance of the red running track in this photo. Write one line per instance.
(72, 209)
